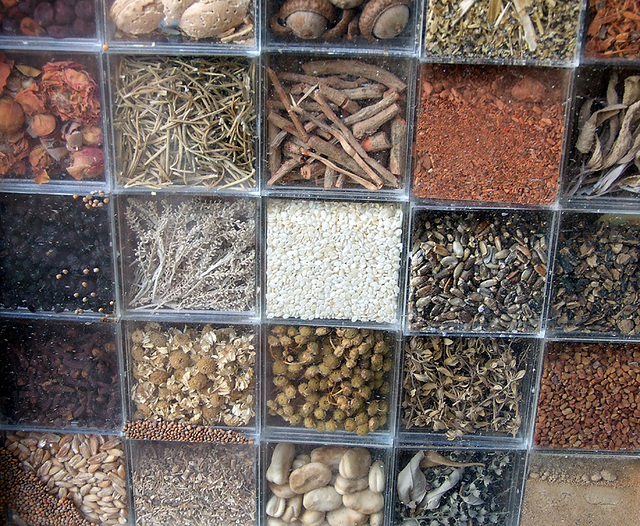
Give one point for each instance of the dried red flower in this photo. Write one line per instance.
(88, 163)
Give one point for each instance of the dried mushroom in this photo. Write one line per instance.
(200, 377)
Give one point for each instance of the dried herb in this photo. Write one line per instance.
(614, 29)
(197, 254)
(185, 121)
(609, 141)
(455, 488)
(520, 29)
(463, 385)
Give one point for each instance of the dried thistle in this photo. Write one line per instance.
(463, 385)
(198, 254)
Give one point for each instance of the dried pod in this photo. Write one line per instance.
(304, 18)
(384, 18)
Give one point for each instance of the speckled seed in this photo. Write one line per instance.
(355, 463)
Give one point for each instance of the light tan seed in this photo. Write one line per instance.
(110, 444)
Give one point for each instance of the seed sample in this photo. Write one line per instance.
(55, 254)
(464, 385)
(25, 498)
(192, 375)
(581, 490)
(605, 158)
(612, 32)
(61, 375)
(185, 121)
(330, 379)
(50, 119)
(454, 487)
(478, 271)
(336, 124)
(223, 21)
(180, 432)
(520, 30)
(595, 282)
(488, 133)
(190, 254)
(589, 397)
(194, 484)
(327, 484)
(49, 18)
(333, 260)
(87, 470)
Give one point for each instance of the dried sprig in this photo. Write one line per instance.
(198, 254)
(609, 141)
(182, 121)
(463, 385)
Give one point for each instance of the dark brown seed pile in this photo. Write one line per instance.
(25, 494)
(179, 431)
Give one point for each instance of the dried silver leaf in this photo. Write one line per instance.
(625, 136)
(631, 90)
(588, 131)
(412, 484)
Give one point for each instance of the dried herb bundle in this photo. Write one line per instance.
(458, 488)
(185, 121)
(609, 141)
(463, 385)
(198, 254)
(545, 29)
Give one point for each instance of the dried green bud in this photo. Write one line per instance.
(286, 341)
(331, 425)
(362, 418)
(374, 423)
(357, 382)
(322, 331)
(290, 392)
(339, 415)
(311, 371)
(324, 403)
(365, 392)
(331, 361)
(350, 425)
(306, 331)
(280, 381)
(383, 406)
(300, 340)
(282, 399)
(292, 331)
(367, 374)
(387, 365)
(295, 419)
(288, 411)
(377, 361)
(306, 409)
(362, 429)
(320, 427)
(273, 341)
(385, 388)
(382, 347)
(279, 330)
(295, 369)
(309, 422)
(320, 413)
(279, 367)
(372, 409)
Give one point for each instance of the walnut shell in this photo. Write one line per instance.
(384, 18)
(212, 18)
(137, 17)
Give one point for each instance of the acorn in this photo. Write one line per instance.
(384, 19)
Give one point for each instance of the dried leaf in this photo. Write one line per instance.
(432, 499)
(588, 131)
(612, 94)
(635, 147)
(604, 183)
(625, 136)
(595, 161)
(412, 484)
(527, 25)
(631, 90)
(28, 71)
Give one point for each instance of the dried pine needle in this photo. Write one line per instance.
(185, 121)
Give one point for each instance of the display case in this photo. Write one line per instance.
(307, 262)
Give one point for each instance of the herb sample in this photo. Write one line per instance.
(50, 121)
(454, 487)
(333, 260)
(85, 472)
(329, 484)
(185, 121)
(473, 271)
(596, 279)
(193, 254)
(488, 133)
(606, 157)
(463, 385)
(575, 489)
(497, 29)
(55, 253)
(614, 26)
(330, 379)
(49, 18)
(589, 397)
(59, 375)
(192, 375)
(194, 484)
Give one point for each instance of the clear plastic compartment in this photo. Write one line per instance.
(51, 124)
(472, 390)
(333, 260)
(570, 489)
(314, 482)
(334, 380)
(611, 32)
(191, 374)
(489, 133)
(174, 26)
(478, 270)
(56, 253)
(184, 121)
(602, 149)
(457, 486)
(348, 25)
(60, 375)
(595, 279)
(190, 254)
(336, 125)
(519, 32)
(67, 478)
(589, 396)
(69, 21)
(193, 484)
